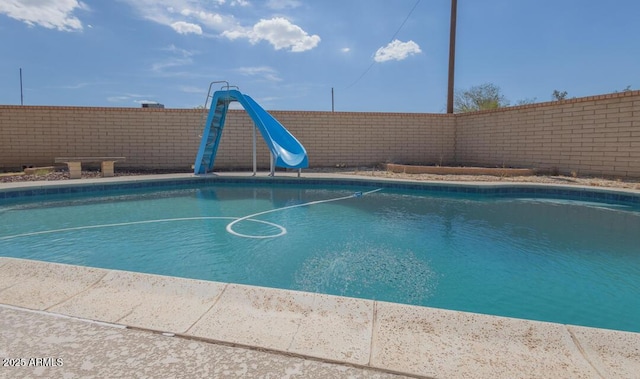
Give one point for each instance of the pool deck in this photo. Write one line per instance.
(110, 323)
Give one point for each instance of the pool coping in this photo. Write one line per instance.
(37, 188)
(396, 338)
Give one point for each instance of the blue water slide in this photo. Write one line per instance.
(287, 151)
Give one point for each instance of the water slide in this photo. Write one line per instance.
(285, 149)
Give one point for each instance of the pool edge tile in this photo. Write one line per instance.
(309, 324)
(42, 285)
(442, 343)
(337, 328)
(615, 354)
(22, 190)
(263, 317)
(147, 301)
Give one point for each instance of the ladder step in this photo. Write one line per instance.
(219, 106)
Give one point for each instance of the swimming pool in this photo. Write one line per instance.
(568, 256)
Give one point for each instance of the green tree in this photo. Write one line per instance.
(626, 89)
(557, 95)
(478, 98)
(527, 101)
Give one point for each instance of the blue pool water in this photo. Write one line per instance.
(561, 260)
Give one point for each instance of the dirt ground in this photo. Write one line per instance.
(550, 179)
(379, 173)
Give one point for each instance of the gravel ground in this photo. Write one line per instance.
(556, 179)
(64, 175)
(550, 179)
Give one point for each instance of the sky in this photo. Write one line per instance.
(373, 55)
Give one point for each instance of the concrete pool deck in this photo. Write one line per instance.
(157, 324)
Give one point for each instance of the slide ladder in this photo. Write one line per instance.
(212, 134)
(285, 149)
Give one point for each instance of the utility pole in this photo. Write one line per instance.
(21, 96)
(332, 108)
(452, 54)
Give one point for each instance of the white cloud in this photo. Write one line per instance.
(182, 27)
(127, 97)
(51, 14)
(177, 58)
(283, 4)
(279, 32)
(265, 72)
(396, 50)
(213, 20)
(345, 49)
(80, 85)
(241, 3)
(197, 16)
(174, 49)
(168, 12)
(160, 67)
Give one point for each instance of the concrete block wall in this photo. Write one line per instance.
(343, 138)
(370, 138)
(597, 135)
(148, 138)
(168, 139)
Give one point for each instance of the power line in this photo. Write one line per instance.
(361, 75)
(405, 21)
(390, 40)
